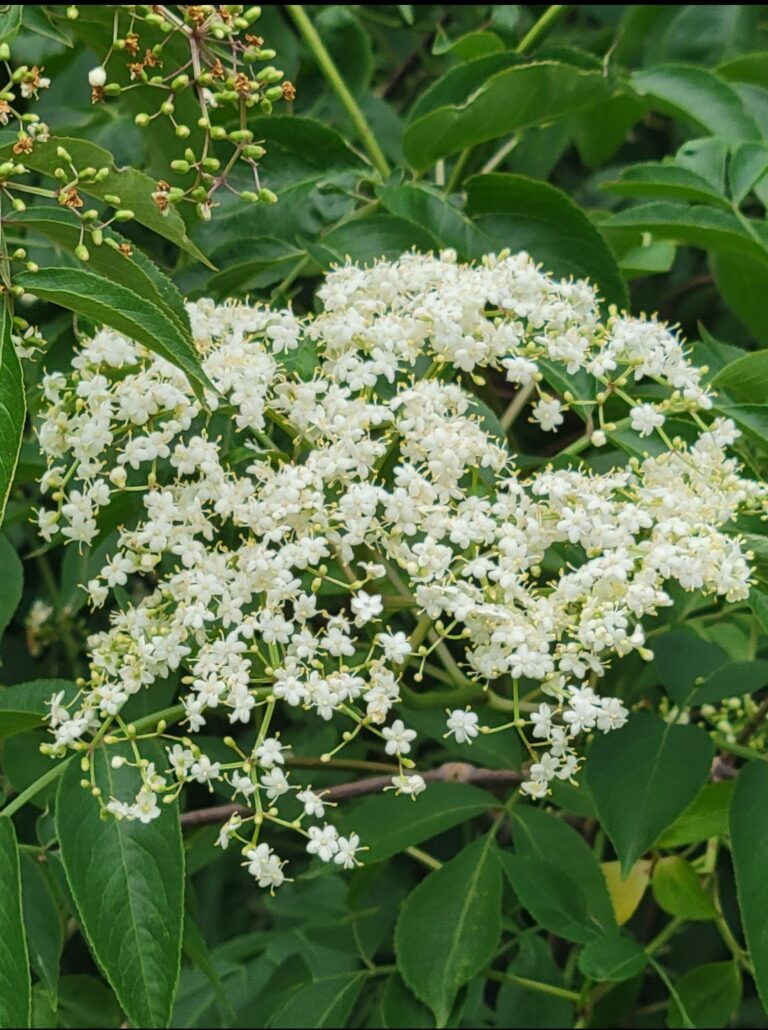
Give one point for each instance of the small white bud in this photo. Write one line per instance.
(97, 77)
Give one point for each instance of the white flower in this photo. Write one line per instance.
(313, 804)
(405, 784)
(275, 783)
(644, 418)
(398, 738)
(347, 849)
(462, 724)
(547, 411)
(366, 607)
(270, 752)
(396, 646)
(323, 842)
(204, 770)
(145, 808)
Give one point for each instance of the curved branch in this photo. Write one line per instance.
(449, 772)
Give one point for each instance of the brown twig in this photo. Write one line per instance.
(449, 772)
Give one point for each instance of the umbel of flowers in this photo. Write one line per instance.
(339, 517)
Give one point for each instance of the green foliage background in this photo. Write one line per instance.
(625, 143)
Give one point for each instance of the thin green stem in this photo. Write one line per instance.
(331, 72)
(542, 28)
(458, 170)
(424, 858)
(535, 985)
(738, 749)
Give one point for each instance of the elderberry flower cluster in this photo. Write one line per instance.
(328, 539)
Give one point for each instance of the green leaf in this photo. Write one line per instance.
(749, 846)
(696, 672)
(748, 165)
(378, 236)
(10, 22)
(746, 379)
(11, 585)
(85, 1002)
(540, 835)
(136, 271)
(387, 824)
(707, 158)
(705, 817)
(120, 308)
(751, 68)
(705, 227)
(710, 995)
(525, 214)
(43, 923)
(511, 99)
(699, 96)
(134, 188)
(678, 890)
(326, 1002)
(554, 898)
(743, 281)
(427, 206)
(13, 408)
(127, 880)
(248, 264)
(399, 1008)
(518, 1005)
(706, 35)
(612, 957)
(667, 181)
(600, 132)
(15, 989)
(671, 762)
(23, 706)
(449, 926)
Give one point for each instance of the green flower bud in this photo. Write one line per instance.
(32, 266)
(267, 196)
(167, 108)
(269, 75)
(5, 52)
(63, 154)
(6, 169)
(98, 237)
(18, 204)
(124, 215)
(211, 164)
(252, 14)
(113, 89)
(180, 166)
(241, 136)
(182, 131)
(81, 252)
(274, 93)
(179, 83)
(142, 120)
(218, 132)
(250, 196)
(73, 13)
(266, 106)
(113, 199)
(254, 151)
